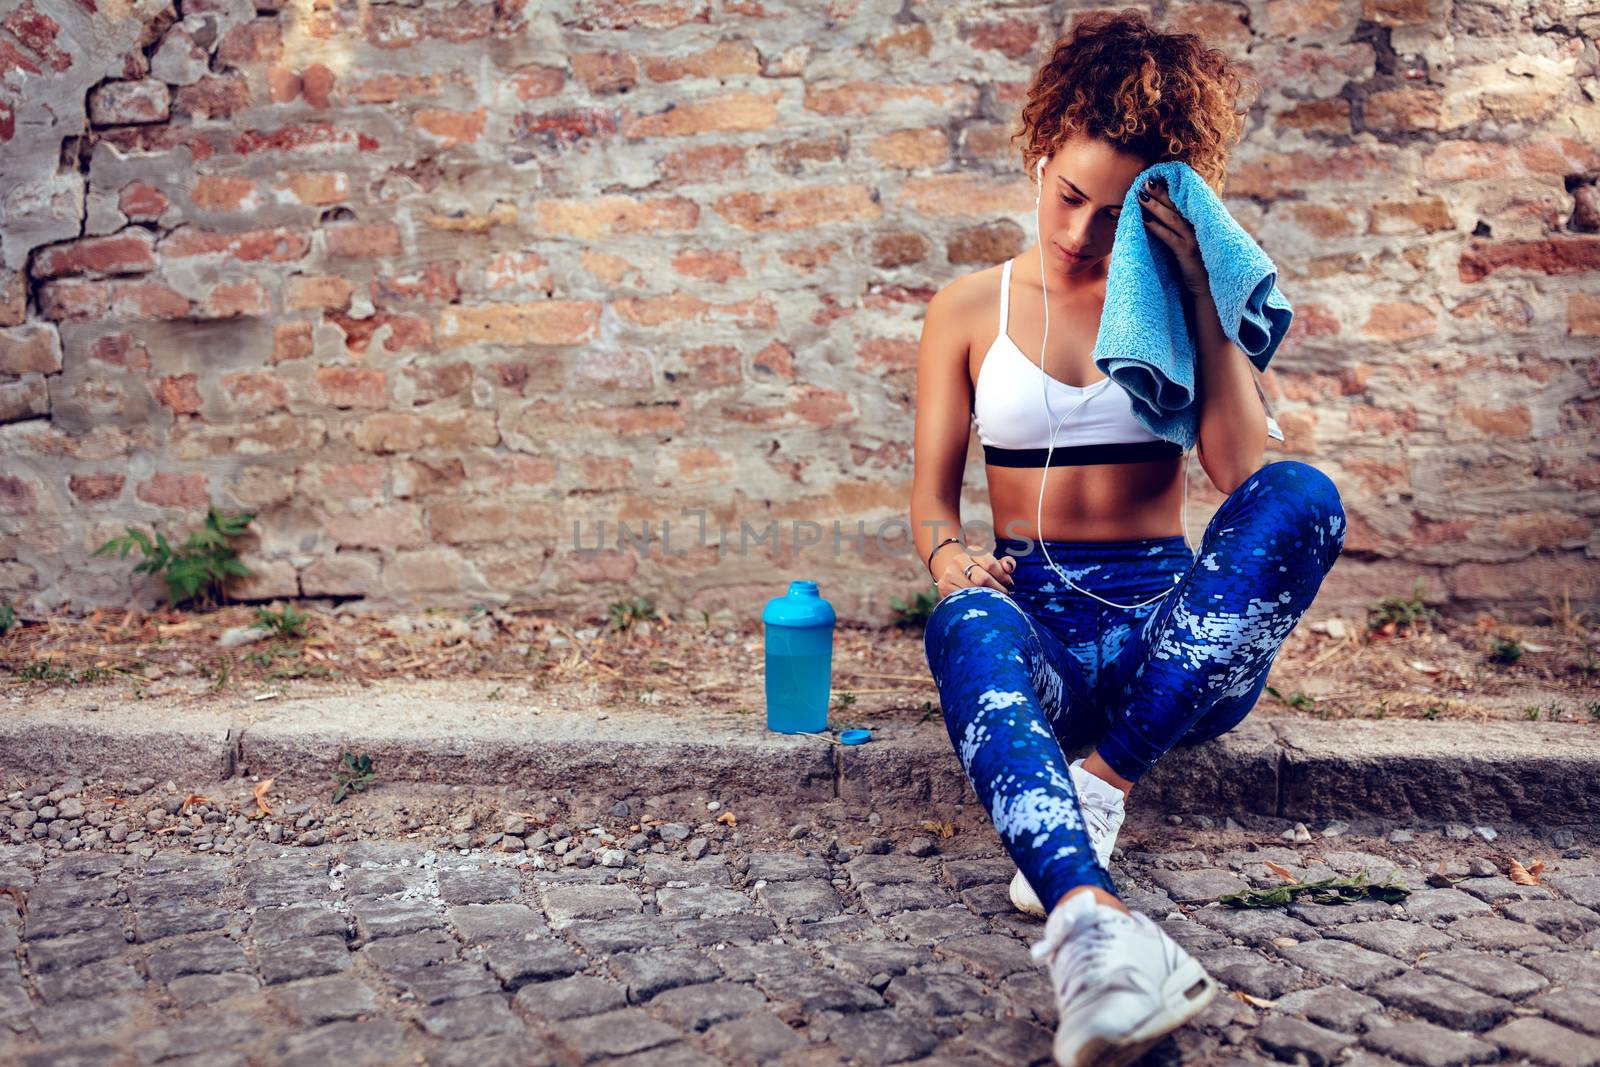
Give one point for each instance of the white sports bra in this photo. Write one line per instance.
(1014, 428)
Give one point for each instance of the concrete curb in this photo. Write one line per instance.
(1309, 770)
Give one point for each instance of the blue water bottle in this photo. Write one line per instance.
(799, 639)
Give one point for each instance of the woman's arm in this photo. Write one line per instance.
(1233, 424)
(943, 429)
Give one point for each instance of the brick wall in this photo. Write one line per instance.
(423, 285)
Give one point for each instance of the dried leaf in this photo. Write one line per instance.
(727, 818)
(192, 798)
(1282, 872)
(1425, 668)
(260, 792)
(17, 895)
(1523, 875)
(1259, 1002)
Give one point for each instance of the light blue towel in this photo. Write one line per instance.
(1144, 343)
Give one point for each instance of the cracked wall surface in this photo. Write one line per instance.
(444, 291)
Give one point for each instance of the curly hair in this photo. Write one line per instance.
(1160, 96)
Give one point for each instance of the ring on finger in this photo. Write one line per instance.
(967, 571)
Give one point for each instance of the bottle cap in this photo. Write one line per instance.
(855, 737)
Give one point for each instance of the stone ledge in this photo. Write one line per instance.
(1533, 773)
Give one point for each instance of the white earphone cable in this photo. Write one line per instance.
(1044, 385)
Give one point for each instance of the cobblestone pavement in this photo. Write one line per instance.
(831, 940)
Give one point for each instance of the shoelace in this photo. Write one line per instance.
(1100, 813)
(1081, 954)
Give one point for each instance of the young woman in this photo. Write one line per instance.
(1113, 632)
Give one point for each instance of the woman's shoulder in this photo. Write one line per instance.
(972, 295)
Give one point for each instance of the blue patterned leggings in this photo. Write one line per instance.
(1024, 674)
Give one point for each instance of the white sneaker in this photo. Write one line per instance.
(1102, 807)
(1121, 983)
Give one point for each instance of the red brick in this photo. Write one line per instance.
(254, 392)
(147, 300)
(131, 251)
(389, 526)
(224, 192)
(170, 489)
(291, 340)
(228, 300)
(141, 202)
(316, 84)
(1562, 255)
(178, 392)
(255, 42)
(94, 487)
(277, 245)
(450, 128)
(37, 31)
(17, 497)
(353, 387)
(120, 350)
(363, 239)
(31, 349)
(215, 96)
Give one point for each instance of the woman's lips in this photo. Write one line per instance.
(1068, 256)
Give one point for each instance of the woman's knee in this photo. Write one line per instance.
(971, 609)
(1306, 491)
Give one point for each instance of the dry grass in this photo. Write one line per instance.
(1442, 669)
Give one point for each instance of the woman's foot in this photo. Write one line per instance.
(1102, 806)
(1121, 983)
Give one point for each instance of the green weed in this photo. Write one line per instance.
(286, 623)
(917, 612)
(353, 773)
(1506, 650)
(1295, 700)
(199, 571)
(1394, 613)
(624, 613)
(1327, 891)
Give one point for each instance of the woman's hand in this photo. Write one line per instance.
(1163, 219)
(958, 570)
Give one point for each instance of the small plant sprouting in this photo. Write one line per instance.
(285, 623)
(843, 700)
(197, 572)
(1531, 713)
(355, 772)
(624, 613)
(1506, 650)
(1393, 614)
(1594, 709)
(1296, 699)
(1432, 711)
(8, 617)
(917, 612)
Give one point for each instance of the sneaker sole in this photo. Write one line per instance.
(1187, 992)
(1023, 898)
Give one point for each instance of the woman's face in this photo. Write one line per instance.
(1081, 199)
